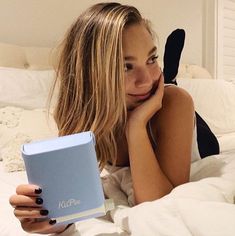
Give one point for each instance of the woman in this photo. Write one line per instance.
(110, 83)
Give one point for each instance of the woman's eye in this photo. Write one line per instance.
(128, 67)
(152, 60)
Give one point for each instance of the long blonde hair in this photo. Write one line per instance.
(90, 76)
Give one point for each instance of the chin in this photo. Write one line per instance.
(131, 107)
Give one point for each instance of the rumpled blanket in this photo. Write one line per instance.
(202, 207)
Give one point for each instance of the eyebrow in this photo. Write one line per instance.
(154, 49)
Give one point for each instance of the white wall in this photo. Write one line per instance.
(44, 22)
(210, 37)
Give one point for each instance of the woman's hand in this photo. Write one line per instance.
(28, 208)
(143, 113)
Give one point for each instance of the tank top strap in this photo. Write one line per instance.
(151, 135)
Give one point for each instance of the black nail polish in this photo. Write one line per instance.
(44, 212)
(38, 191)
(39, 200)
(52, 222)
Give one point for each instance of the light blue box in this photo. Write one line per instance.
(66, 169)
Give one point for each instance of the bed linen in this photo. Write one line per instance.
(204, 206)
(227, 143)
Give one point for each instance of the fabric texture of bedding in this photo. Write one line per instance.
(34, 58)
(25, 88)
(183, 210)
(18, 126)
(190, 209)
(214, 100)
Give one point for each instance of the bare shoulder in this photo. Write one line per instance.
(177, 104)
(174, 95)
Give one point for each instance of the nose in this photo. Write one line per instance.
(143, 78)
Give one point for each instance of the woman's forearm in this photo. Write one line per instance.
(149, 182)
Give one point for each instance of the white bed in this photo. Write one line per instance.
(205, 206)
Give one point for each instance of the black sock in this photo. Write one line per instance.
(207, 142)
(173, 48)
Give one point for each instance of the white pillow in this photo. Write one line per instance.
(214, 100)
(188, 71)
(25, 88)
(18, 126)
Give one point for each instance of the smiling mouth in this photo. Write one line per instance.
(145, 96)
(141, 96)
(137, 95)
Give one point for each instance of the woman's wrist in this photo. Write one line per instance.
(135, 121)
(134, 130)
(134, 126)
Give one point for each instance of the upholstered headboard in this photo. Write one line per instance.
(42, 58)
(191, 71)
(34, 58)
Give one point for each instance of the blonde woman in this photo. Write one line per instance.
(110, 82)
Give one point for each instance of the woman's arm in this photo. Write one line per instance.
(155, 174)
(149, 182)
(174, 133)
(28, 208)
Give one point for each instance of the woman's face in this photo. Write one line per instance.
(142, 71)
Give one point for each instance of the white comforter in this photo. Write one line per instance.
(205, 206)
(201, 207)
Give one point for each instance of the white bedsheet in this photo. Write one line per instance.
(227, 143)
(203, 207)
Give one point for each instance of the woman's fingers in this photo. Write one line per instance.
(160, 88)
(33, 226)
(28, 209)
(143, 112)
(27, 195)
(27, 212)
(42, 227)
(28, 190)
(21, 200)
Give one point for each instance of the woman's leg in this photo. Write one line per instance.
(206, 140)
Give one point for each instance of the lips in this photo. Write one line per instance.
(141, 96)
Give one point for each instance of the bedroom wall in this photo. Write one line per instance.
(43, 23)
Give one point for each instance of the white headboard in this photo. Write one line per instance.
(34, 58)
(41, 58)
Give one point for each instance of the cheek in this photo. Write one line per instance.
(128, 89)
(155, 72)
(128, 84)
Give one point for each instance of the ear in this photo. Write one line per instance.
(173, 48)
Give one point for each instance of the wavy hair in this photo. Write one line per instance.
(90, 75)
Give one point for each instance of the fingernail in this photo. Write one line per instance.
(52, 222)
(38, 191)
(39, 200)
(44, 212)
